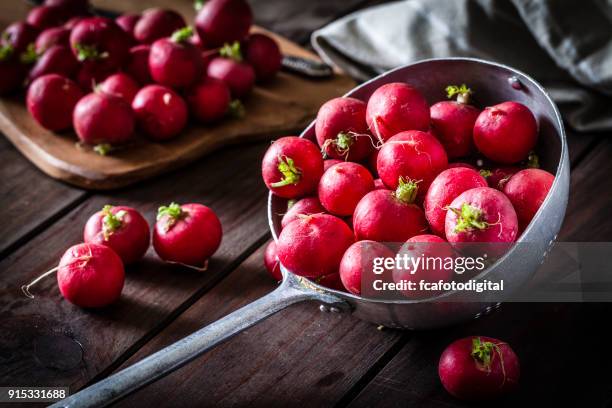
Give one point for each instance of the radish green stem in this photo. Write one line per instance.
(485, 173)
(30, 55)
(463, 93)
(469, 218)
(407, 190)
(174, 213)
(5, 52)
(182, 35)
(111, 222)
(291, 174)
(198, 4)
(232, 51)
(26, 288)
(89, 52)
(236, 109)
(533, 161)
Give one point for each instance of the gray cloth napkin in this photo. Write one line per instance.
(565, 44)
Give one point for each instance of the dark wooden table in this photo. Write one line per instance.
(299, 356)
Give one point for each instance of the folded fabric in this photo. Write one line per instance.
(564, 44)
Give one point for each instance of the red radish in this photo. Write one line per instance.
(330, 162)
(188, 234)
(209, 101)
(453, 122)
(90, 75)
(444, 189)
(331, 281)
(342, 186)
(160, 112)
(481, 214)
(56, 60)
(262, 52)
(342, 131)
(70, 24)
(394, 108)
(101, 118)
(358, 260)
(292, 167)
(122, 85)
(239, 76)
(499, 176)
(527, 190)
(157, 23)
(223, 21)
(506, 133)
(138, 64)
(313, 245)
(12, 72)
(100, 41)
(19, 36)
(389, 216)
(51, 100)
(304, 206)
(461, 164)
(379, 185)
(128, 22)
(123, 229)
(478, 368)
(50, 37)
(429, 248)
(175, 62)
(90, 275)
(271, 261)
(73, 6)
(43, 17)
(413, 154)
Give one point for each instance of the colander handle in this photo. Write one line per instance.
(292, 290)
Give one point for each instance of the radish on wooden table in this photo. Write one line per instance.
(342, 131)
(527, 190)
(174, 61)
(292, 167)
(263, 53)
(444, 189)
(56, 60)
(43, 17)
(121, 228)
(137, 65)
(102, 119)
(88, 275)
(223, 21)
(99, 41)
(160, 112)
(390, 216)
(481, 214)
(506, 132)
(429, 248)
(51, 100)
(231, 69)
(412, 155)
(157, 23)
(122, 85)
(50, 37)
(478, 368)
(19, 35)
(343, 186)
(452, 122)
(271, 261)
(313, 245)
(209, 100)
(187, 234)
(394, 108)
(304, 206)
(358, 260)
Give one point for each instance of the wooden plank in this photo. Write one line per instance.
(547, 337)
(30, 200)
(47, 341)
(300, 355)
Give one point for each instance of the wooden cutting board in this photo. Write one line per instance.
(282, 107)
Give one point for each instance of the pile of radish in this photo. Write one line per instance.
(393, 169)
(92, 274)
(139, 73)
